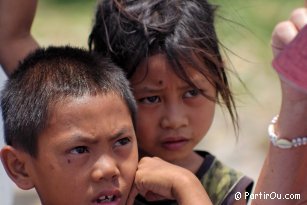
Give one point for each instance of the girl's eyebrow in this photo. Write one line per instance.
(199, 81)
(155, 89)
(148, 89)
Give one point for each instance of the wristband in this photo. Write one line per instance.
(284, 143)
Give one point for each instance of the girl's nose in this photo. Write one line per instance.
(174, 117)
(105, 169)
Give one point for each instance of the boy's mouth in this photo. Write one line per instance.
(111, 198)
(105, 199)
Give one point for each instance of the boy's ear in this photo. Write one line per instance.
(14, 162)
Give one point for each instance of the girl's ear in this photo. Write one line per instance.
(14, 162)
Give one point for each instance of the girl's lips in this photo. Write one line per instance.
(174, 143)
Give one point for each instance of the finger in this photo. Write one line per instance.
(282, 35)
(299, 17)
(131, 197)
(305, 3)
(150, 196)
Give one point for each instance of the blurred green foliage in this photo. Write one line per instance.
(237, 20)
(251, 22)
(59, 22)
(68, 2)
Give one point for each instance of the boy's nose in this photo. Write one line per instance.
(105, 169)
(174, 117)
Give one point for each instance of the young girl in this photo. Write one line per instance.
(170, 53)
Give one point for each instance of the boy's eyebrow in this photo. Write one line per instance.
(82, 138)
(121, 132)
(92, 140)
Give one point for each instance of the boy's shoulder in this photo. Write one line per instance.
(221, 181)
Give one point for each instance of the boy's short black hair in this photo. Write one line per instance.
(47, 76)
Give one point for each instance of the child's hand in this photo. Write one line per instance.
(156, 179)
(285, 31)
(285, 38)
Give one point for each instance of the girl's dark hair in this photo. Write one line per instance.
(130, 31)
(51, 75)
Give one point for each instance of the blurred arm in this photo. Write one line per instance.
(16, 41)
(284, 170)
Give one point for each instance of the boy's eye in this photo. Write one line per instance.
(79, 150)
(122, 141)
(150, 100)
(191, 93)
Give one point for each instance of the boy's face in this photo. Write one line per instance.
(87, 153)
(172, 116)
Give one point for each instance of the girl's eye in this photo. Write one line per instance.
(150, 100)
(122, 141)
(79, 150)
(191, 93)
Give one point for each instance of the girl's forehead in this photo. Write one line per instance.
(157, 72)
(157, 68)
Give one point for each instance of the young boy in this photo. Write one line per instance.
(69, 127)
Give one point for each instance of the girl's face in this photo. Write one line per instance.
(172, 116)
